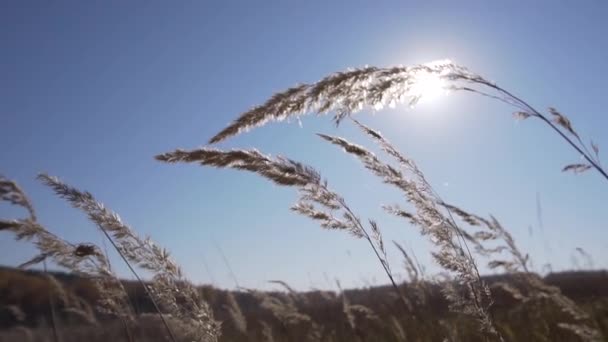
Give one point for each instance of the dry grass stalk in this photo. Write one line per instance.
(345, 93)
(517, 265)
(354, 312)
(12, 193)
(234, 310)
(267, 332)
(316, 201)
(320, 204)
(397, 329)
(169, 289)
(294, 295)
(54, 327)
(352, 91)
(284, 310)
(408, 263)
(440, 226)
(494, 231)
(418, 286)
(92, 264)
(292, 292)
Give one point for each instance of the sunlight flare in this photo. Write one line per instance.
(428, 87)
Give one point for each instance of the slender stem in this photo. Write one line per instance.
(382, 261)
(578, 149)
(227, 263)
(52, 304)
(461, 240)
(501, 99)
(156, 307)
(422, 179)
(548, 122)
(125, 325)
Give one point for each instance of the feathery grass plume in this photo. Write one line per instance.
(419, 287)
(113, 298)
(283, 308)
(351, 91)
(292, 292)
(14, 312)
(68, 302)
(585, 333)
(316, 201)
(408, 263)
(536, 288)
(397, 329)
(51, 301)
(576, 168)
(92, 264)
(417, 182)
(344, 92)
(234, 310)
(12, 193)
(314, 332)
(494, 231)
(169, 288)
(451, 329)
(475, 300)
(348, 92)
(353, 312)
(280, 170)
(267, 332)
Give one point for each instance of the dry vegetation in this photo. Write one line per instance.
(459, 305)
(370, 314)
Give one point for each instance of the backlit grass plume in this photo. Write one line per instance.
(82, 259)
(453, 254)
(348, 92)
(12, 193)
(343, 93)
(533, 288)
(328, 208)
(317, 201)
(169, 289)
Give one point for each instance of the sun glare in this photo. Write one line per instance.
(428, 86)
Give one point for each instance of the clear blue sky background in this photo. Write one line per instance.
(92, 90)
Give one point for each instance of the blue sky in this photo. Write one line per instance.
(92, 90)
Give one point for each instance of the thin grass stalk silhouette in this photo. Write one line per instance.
(83, 259)
(349, 92)
(286, 172)
(383, 260)
(168, 287)
(52, 306)
(524, 105)
(143, 284)
(226, 263)
(409, 164)
(63, 191)
(585, 328)
(428, 217)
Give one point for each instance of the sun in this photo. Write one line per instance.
(428, 86)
